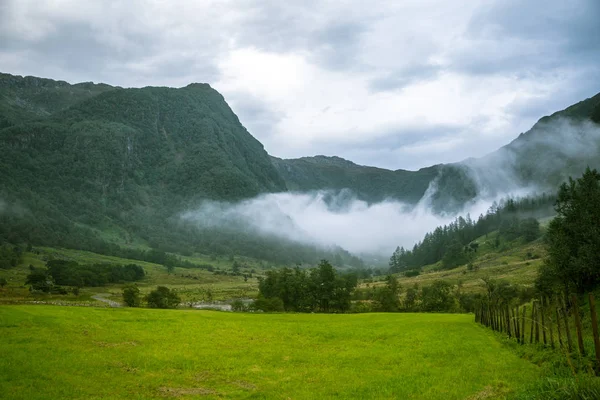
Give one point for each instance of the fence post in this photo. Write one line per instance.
(550, 324)
(523, 324)
(508, 324)
(578, 325)
(532, 322)
(517, 330)
(543, 319)
(595, 331)
(560, 342)
(567, 328)
(495, 318)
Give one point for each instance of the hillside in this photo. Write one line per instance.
(25, 98)
(91, 166)
(376, 184)
(556, 147)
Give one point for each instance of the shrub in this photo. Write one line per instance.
(274, 304)
(238, 305)
(131, 295)
(163, 297)
(412, 273)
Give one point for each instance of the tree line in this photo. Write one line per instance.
(320, 289)
(59, 273)
(453, 243)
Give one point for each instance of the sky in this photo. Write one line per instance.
(394, 84)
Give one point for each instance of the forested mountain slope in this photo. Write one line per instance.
(80, 160)
(92, 156)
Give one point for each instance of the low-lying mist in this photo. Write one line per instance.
(326, 218)
(531, 164)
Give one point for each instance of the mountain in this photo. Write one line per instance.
(556, 147)
(92, 165)
(30, 97)
(82, 160)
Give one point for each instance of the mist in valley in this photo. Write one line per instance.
(326, 218)
(339, 218)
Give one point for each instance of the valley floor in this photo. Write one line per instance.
(96, 353)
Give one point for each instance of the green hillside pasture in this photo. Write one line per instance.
(51, 352)
(191, 284)
(518, 265)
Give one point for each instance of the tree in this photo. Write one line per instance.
(530, 229)
(238, 305)
(39, 280)
(573, 237)
(131, 295)
(3, 282)
(454, 256)
(437, 297)
(387, 297)
(163, 297)
(273, 304)
(410, 300)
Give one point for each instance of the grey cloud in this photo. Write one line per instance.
(528, 36)
(404, 77)
(255, 116)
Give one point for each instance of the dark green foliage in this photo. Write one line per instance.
(412, 273)
(39, 280)
(573, 238)
(92, 157)
(10, 256)
(70, 273)
(500, 292)
(410, 299)
(454, 255)
(387, 298)
(238, 305)
(3, 282)
(131, 295)
(274, 304)
(163, 297)
(453, 244)
(320, 289)
(437, 297)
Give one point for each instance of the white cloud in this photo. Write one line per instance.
(310, 77)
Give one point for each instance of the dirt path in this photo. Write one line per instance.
(102, 297)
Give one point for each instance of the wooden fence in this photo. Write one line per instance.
(553, 324)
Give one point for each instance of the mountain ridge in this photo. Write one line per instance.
(92, 157)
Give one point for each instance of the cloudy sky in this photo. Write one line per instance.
(396, 84)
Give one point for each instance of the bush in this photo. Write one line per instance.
(238, 305)
(412, 273)
(163, 297)
(274, 304)
(361, 307)
(3, 282)
(131, 296)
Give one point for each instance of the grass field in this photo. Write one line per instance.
(192, 285)
(51, 352)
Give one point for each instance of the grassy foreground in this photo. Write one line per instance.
(92, 353)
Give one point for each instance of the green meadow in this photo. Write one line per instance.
(53, 352)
